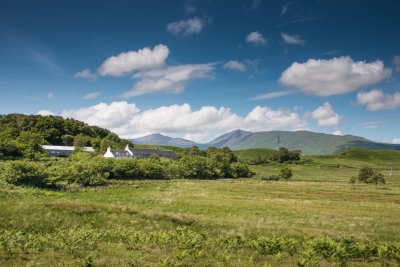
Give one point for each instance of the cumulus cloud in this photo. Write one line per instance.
(187, 27)
(171, 78)
(376, 99)
(396, 62)
(91, 95)
(128, 62)
(86, 74)
(334, 76)
(235, 65)
(272, 95)
(109, 116)
(45, 112)
(128, 121)
(326, 116)
(256, 38)
(292, 39)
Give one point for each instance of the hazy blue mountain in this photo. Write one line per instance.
(310, 143)
(159, 139)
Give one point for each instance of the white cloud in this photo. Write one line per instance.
(256, 38)
(171, 78)
(180, 120)
(45, 112)
(86, 74)
(326, 116)
(187, 27)
(396, 141)
(91, 95)
(376, 99)
(50, 94)
(235, 65)
(272, 95)
(128, 62)
(396, 62)
(334, 76)
(109, 116)
(292, 39)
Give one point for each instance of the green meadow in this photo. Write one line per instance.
(315, 219)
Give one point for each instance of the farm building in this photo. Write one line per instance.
(63, 151)
(141, 153)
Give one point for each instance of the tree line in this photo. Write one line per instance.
(84, 169)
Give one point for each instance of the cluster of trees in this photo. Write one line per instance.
(285, 155)
(367, 175)
(90, 170)
(23, 135)
(282, 155)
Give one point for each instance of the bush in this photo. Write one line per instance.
(24, 172)
(369, 176)
(285, 173)
(240, 170)
(150, 169)
(126, 169)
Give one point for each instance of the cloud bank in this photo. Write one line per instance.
(201, 125)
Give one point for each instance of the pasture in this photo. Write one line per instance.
(317, 218)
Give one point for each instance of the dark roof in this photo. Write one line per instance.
(120, 153)
(152, 151)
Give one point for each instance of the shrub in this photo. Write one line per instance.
(126, 169)
(285, 173)
(369, 176)
(25, 172)
(240, 170)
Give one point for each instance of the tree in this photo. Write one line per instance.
(67, 139)
(81, 141)
(364, 174)
(369, 176)
(285, 173)
(377, 178)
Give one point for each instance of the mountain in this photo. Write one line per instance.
(310, 143)
(159, 139)
(230, 139)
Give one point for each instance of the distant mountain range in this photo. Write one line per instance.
(310, 143)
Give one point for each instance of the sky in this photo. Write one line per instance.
(200, 68)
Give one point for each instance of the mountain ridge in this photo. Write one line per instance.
(311, 143)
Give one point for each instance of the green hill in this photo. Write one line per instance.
(310, 143)
(20, 133)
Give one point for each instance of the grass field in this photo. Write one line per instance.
(245, 222)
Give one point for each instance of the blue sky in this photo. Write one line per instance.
(197, 69)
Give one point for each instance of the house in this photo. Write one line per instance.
(63, 151)
(141, 153)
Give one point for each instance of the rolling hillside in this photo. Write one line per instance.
(310, 143)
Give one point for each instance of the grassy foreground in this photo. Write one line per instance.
(245, 222)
